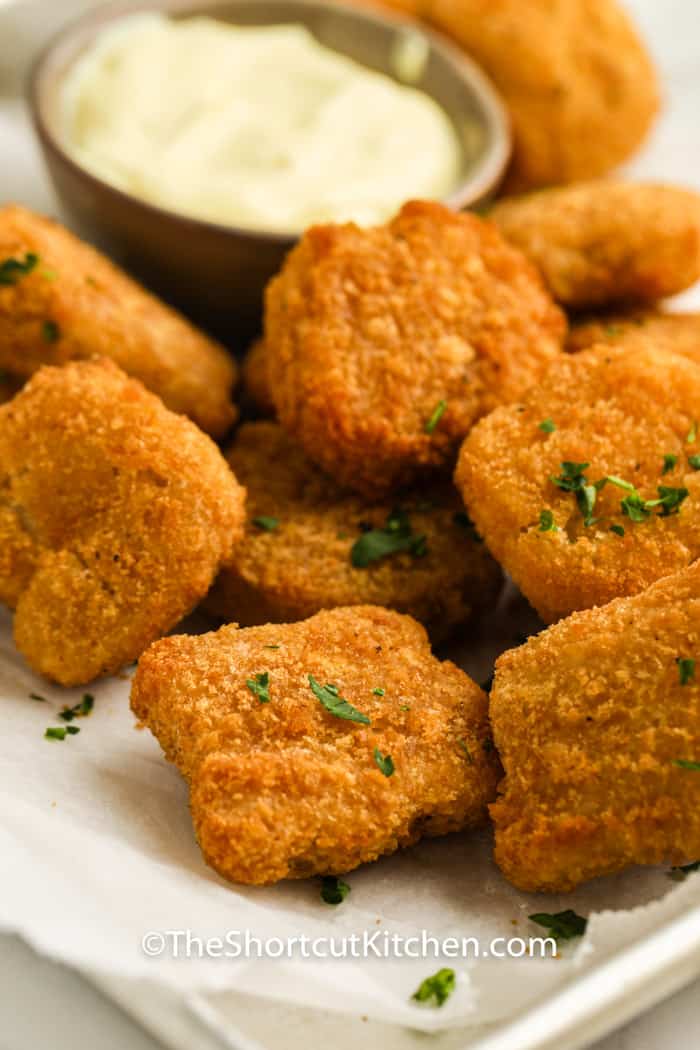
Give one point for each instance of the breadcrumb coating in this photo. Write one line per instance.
(599, 243)
(590, 719)
(578, 81)
(679, 333)
(630, 414)
(75, 304)
(385, 345)
(304, 564)
(115, 515)
(283, 788)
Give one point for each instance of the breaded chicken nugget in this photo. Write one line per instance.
(579, 84)
(606, 242)
(590, 488)
(312, 546)
(60, 300)
(313, 747)
(597, 722)
(387, 344)
(115, 515)
(257, 387)
(679, 333)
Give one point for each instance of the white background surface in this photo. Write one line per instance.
(45, 1006)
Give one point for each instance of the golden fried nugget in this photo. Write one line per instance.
(605, 242)
(578, 81)
(387, 344)
(679, 333)
(434, 568)
(115, 515)
(282, 787)
(527, 474)
(591, 719)
(73, 303)
(255, 380)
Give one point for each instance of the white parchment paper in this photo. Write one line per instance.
(96, 844)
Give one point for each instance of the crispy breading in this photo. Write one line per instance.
(75, 304)
(679, 333)
(257, 387)
(621, 413)
(590, 718)
(304, 564)
(115, 515)
(285, 789)
(578, 82)
(603, 242)
(373, 332)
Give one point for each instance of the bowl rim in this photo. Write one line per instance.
(472, 189)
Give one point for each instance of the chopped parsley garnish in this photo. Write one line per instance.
(618, 530)
(379, 692)
(573, 479)
(682, 870)
(80, 710)
(692, 434)
(333, 889)
(50, 332)
(436, 989)
(266, 524)
(547, 426)
(405, 707)
(260, 687)
(670, 500)
(684, 764)
(547, 523)
(271, 646)
(335, 704)
(670, 462)
(438, 413)
(635, 509)
(396, 537)
(694, 462)
(60, 732)
(686, 670)
(563, 925)
(385, 763)
(41, 699)
(467, 752)
(12, 270)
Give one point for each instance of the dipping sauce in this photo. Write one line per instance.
(258, 127)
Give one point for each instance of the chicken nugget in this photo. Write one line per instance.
(605, 242)
(115, 515)
(578, 81)
(311, 545)
(590, 488)
(597, 722)
(679, 333)
(387, 344)
(60, 300)
(313, 747)
(257, 387)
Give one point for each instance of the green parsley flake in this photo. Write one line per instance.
(437, 989)
(80, 710)
(563, 925)
(694, 767)
(260, 687)
(618, 530)
(635, 509)
(385, 763)
(547, 426)
(396, 537)
(266, 524)
(547, 523)
(60, 732)
(694, 462)
(573, 479)
(686, 670)
(692, 434)
(670, 462)
(333, 889)
(463, 745)
(40, 699)
(379, 692)
(437, 415)
(335, 704)
(12, 270)
(50, 331)
(271, 647)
